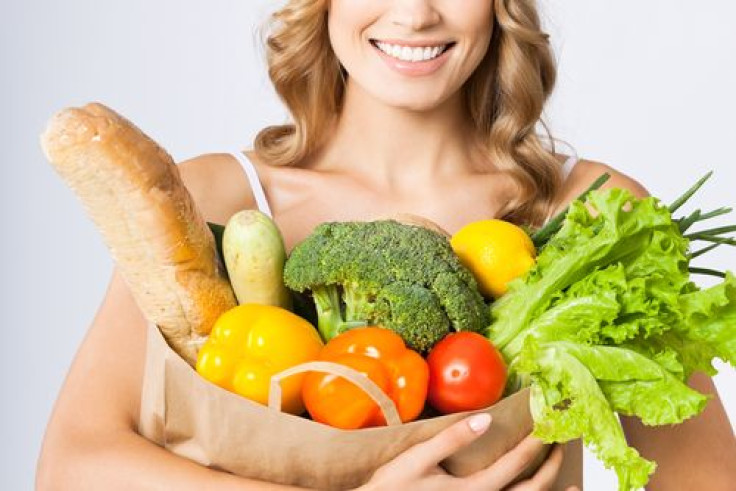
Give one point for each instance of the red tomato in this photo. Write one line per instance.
(466, 373)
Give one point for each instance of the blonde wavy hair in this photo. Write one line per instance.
(505, 97)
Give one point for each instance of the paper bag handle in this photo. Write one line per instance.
(387, 406)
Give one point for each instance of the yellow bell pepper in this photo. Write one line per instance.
(250, 343)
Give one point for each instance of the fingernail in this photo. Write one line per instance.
(479, 422)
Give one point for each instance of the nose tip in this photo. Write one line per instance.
(416, 14)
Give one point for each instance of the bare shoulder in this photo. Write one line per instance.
(217, 183)
(586, 172)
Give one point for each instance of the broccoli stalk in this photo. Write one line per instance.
(330, 321)
(358, 303)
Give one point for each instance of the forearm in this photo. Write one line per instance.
(127, 461)
(697, 454)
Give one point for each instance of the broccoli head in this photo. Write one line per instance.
(403, 277)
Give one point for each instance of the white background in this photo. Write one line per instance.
(647, 87)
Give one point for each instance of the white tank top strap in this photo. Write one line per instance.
(566, 148)
(568, 166)
(255, 183)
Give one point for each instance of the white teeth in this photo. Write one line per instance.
(407, 53)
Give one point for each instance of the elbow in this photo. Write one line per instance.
(44, 476)
(55, 467)
(65, 462)
(48, 470)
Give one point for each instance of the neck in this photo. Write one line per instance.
(391, 146)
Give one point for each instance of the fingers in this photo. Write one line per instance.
(546, 475)
(510, 465)
(449, 440)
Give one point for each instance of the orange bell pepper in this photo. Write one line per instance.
(382, 356)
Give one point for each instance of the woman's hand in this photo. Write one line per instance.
(418, 467)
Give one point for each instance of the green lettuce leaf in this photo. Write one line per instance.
(567, 403)
(608, 323)
(709, 326)
(621, 230)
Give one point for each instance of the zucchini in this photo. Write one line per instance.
(254, 254)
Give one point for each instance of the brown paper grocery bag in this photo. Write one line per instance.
(195, 419)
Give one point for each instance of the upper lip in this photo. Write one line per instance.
(413, 44)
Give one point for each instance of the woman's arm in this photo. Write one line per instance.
(91, 441)
(699, 453)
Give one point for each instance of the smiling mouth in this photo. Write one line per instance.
(412, 53)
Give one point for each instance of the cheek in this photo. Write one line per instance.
(475, 15)
(474, 19)
(475, 22)
(347, 21)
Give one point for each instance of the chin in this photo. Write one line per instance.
(410, 98)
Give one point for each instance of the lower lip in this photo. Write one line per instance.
(414, 68)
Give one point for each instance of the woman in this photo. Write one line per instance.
(419, 106)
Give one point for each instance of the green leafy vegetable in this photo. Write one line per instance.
(403, 277)
(608, 322)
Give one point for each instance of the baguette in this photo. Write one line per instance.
(133, 192)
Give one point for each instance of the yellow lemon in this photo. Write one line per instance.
(496, 252)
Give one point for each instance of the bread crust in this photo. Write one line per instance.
(132, 190)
